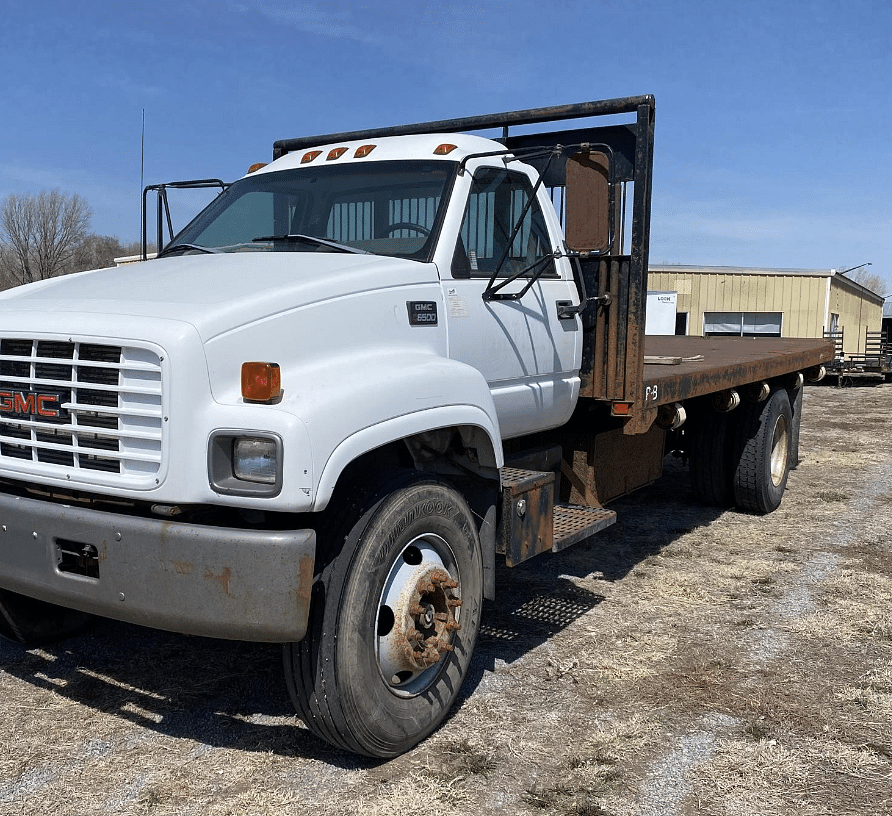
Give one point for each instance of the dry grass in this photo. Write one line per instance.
(596, 668)
(853, 604)
(416, 793)
(808, 777)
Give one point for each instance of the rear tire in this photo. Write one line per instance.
(763, 446)
(32, 622)
(710, 459)
(796, 408)
(393, 621)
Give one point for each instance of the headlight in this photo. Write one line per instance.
(255, 460)
(245, 463)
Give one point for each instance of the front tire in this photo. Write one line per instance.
(393, 619)
(34, 623)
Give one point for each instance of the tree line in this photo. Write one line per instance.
(47, 234)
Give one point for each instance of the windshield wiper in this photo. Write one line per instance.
(299, 238)
(196, 247)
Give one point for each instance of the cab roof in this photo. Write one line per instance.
(433, 146)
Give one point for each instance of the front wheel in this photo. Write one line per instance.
(393, 620)
(33, 623)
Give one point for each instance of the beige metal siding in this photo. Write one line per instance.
(800, 299)
(857, 315)
(800, 295)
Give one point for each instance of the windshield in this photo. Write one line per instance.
(386, 208)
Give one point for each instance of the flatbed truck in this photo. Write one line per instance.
(364, 373)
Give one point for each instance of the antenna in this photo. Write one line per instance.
(142, 155)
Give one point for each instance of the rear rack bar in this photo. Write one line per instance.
(532, 116)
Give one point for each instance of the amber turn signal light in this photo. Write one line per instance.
(261, 382)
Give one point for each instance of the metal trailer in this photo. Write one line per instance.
(875, 362)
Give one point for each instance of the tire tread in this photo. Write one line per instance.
(310, 670)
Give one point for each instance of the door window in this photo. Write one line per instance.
(500, 233)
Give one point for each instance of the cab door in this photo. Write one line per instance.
(528, 351)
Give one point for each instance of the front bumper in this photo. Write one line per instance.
(212, 581)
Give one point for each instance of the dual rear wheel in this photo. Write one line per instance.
(743, 458)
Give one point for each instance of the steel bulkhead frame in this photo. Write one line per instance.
(633, 375)
(581, 110)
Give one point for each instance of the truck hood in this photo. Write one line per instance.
(218, 292)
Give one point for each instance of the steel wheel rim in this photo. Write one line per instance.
(417, 614)
(780, 451)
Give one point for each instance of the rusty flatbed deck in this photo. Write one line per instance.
(728, 362)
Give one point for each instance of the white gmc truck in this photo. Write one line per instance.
(364, 372)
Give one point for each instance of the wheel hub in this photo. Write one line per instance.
(780, 451)
(417, 617)
(429, 618)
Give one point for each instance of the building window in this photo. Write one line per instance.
(742, 324)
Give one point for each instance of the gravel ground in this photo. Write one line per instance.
(685, 661)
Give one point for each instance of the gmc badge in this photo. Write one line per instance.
(422, 312)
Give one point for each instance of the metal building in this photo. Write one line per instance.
(728, 300)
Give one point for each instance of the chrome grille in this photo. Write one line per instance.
(106, 410)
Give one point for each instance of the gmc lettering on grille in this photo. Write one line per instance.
(29, 403)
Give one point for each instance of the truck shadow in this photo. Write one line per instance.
(543, 596)
(231, 694)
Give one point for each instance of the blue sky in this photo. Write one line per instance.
(772, 128)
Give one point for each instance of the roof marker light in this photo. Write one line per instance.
(308, 157)
(255, 167)
(335, 153)
(363, 150)
(444, 149)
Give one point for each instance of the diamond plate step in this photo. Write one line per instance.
(573, 523)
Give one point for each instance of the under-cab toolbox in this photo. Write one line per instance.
(365, 372)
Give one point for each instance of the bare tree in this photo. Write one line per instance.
(869, 280)
(41, 234)
(97, 252)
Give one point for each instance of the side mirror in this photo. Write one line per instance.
(587, 202)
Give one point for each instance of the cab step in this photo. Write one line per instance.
(533, 523)
(573, 523)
